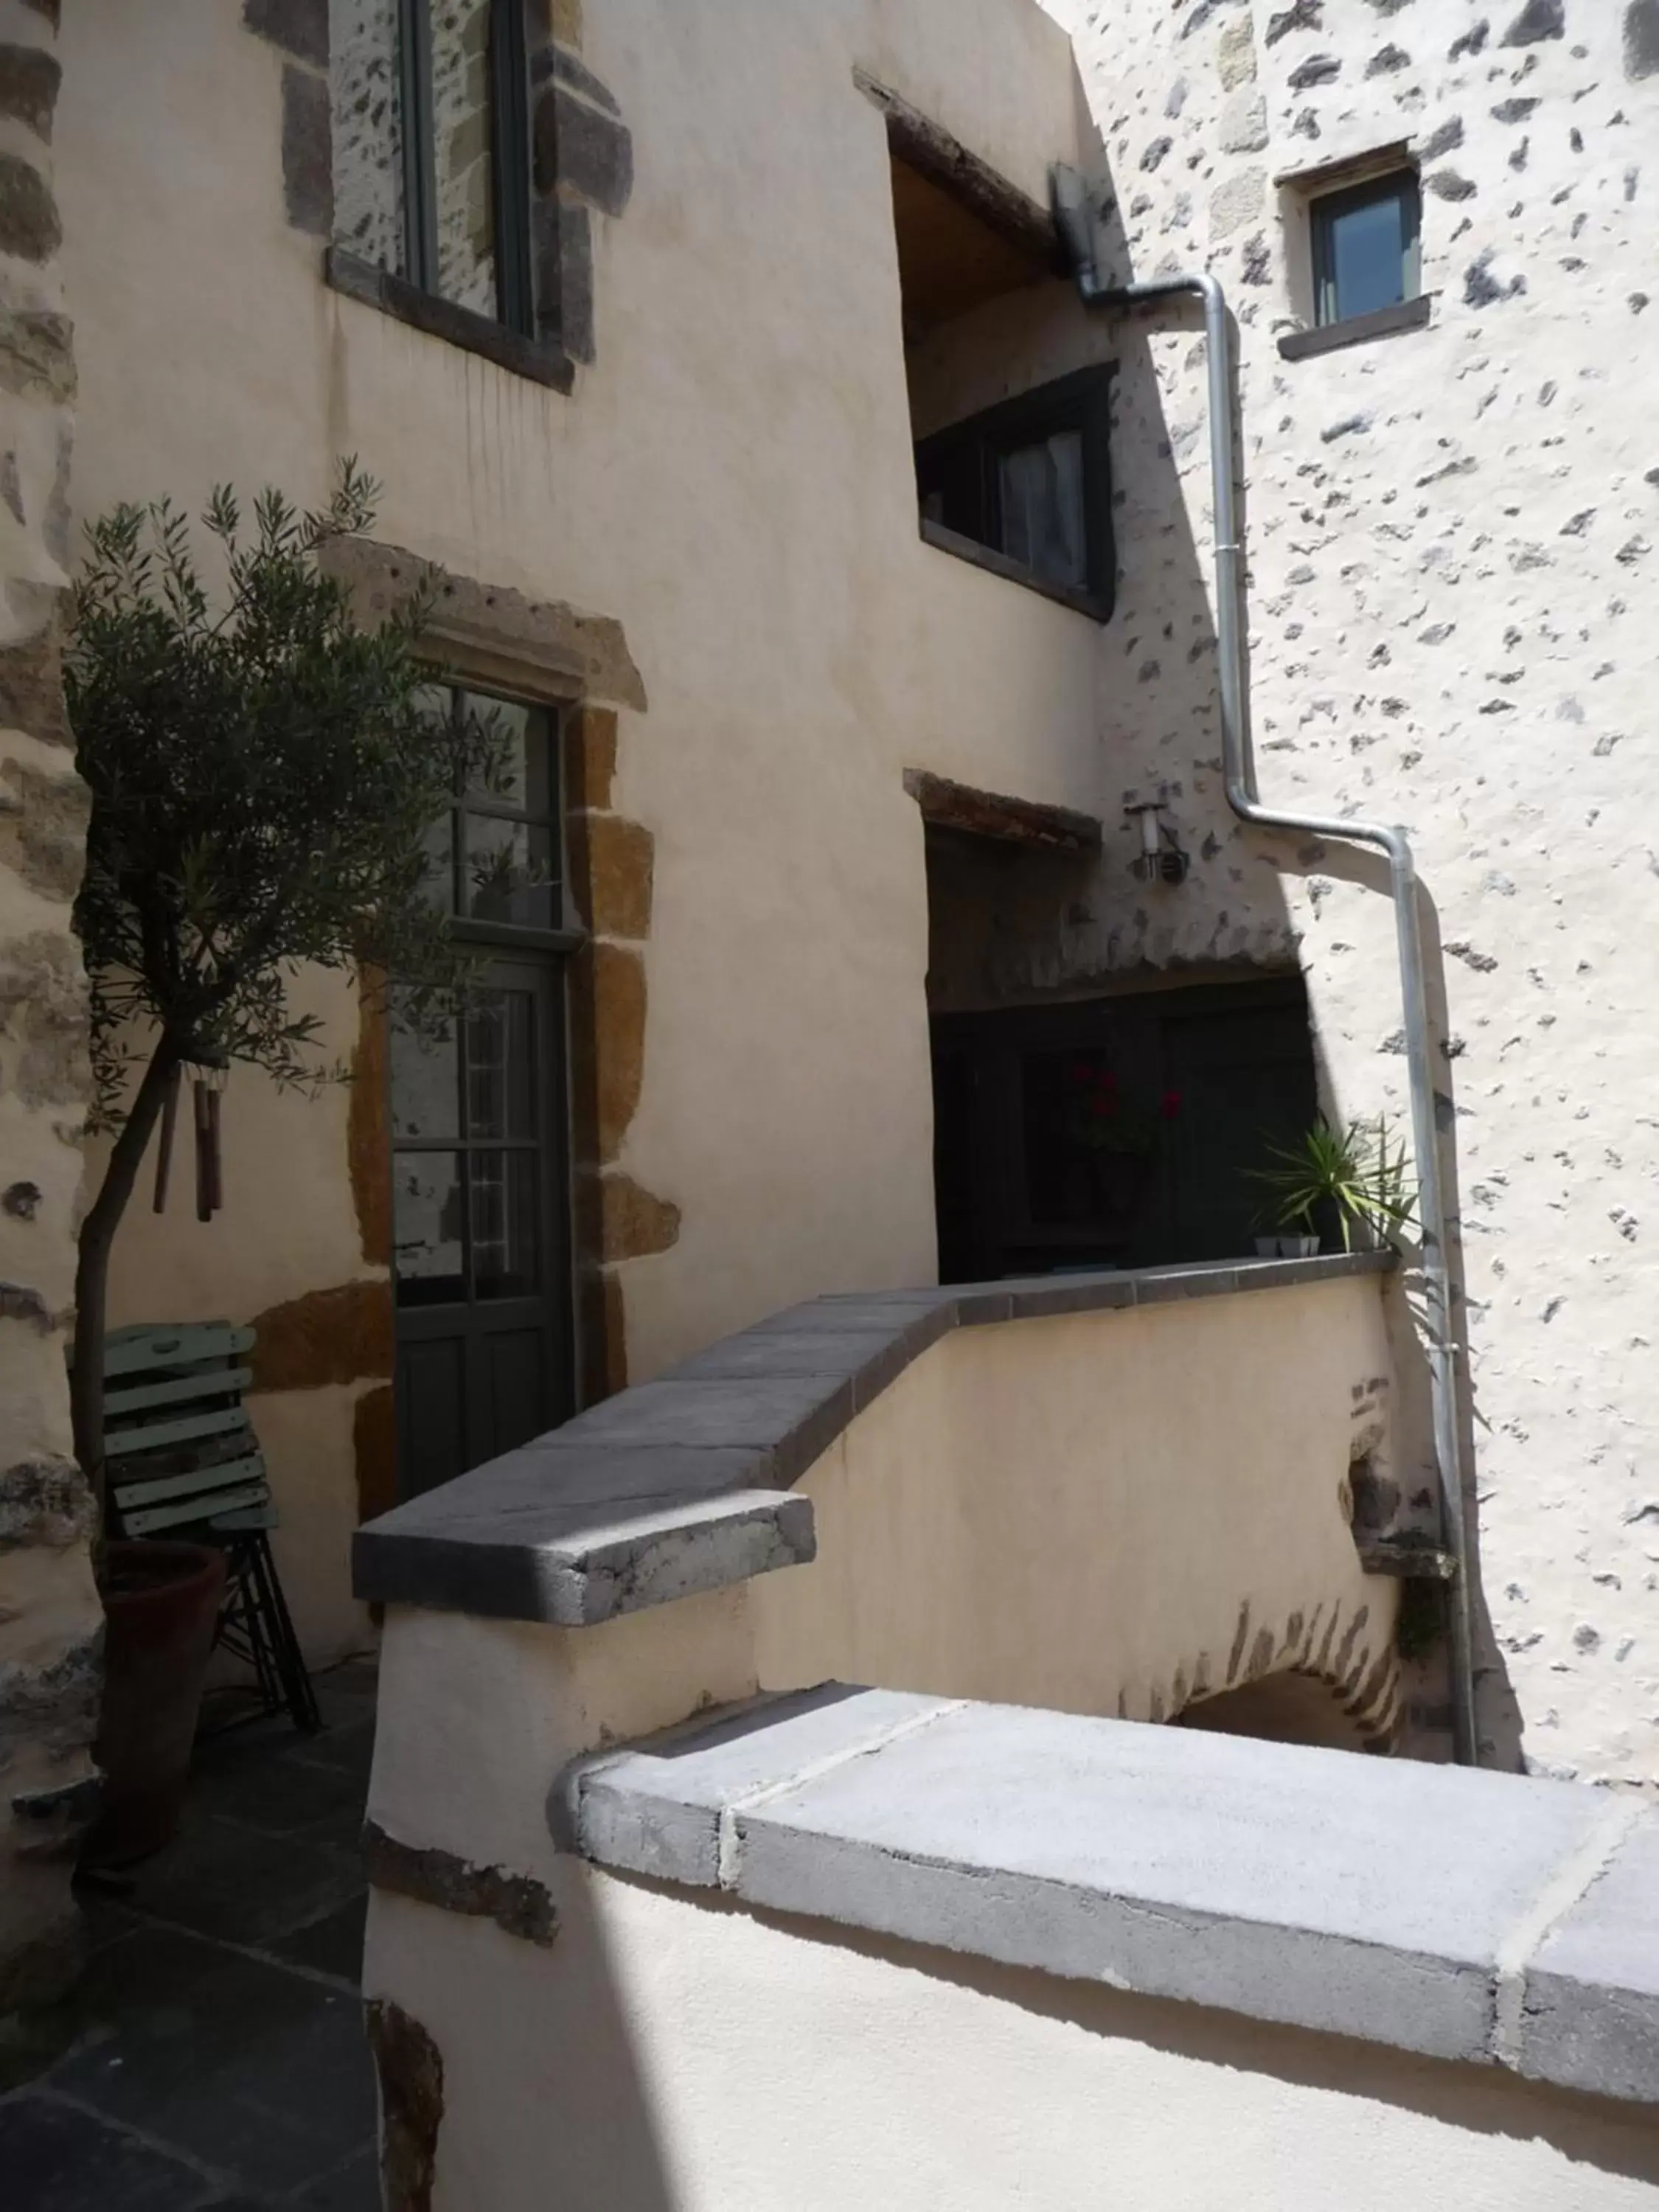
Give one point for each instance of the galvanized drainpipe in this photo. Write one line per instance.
(1071, 216)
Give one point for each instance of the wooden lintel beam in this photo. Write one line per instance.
(915, 138)
(992, 814)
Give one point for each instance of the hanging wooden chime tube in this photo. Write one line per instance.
(204, 1148)
(164, 1150)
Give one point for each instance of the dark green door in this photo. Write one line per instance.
(479, 1119)
(479, 1257)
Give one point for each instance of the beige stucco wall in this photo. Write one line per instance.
(671, 2052)
(1108, 1512)
(799, 645)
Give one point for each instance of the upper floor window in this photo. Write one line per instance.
(432, 129)
(1021, 488)
(1030, 480)
(1366, 250)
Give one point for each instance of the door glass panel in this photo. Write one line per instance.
(509, 873)
(516, 771)
(428, 1251)
(501, 1077)
(426, 1085)
(506, 1248)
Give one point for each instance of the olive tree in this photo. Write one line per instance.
(264, 776)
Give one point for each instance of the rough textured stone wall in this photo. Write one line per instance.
(1451, 536)
(51, 1626)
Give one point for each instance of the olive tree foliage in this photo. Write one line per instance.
(265, 774)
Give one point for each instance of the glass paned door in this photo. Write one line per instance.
(479, 1235)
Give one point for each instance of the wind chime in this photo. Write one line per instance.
(207, 1080)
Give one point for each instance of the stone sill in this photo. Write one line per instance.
(442, 319)
(1381, 323)
(683, 1485)
(1097, 605)
(1280, 1882)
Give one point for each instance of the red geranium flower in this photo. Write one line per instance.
(1170, 1105)
(1105, 1105)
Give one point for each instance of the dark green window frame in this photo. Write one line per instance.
(958, 473)
(1400, 187)
(510, 149)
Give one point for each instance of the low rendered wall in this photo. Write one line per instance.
(858, 1948)
(1098, 1494)
(677, 2054)
(1118, 1493)
(1109, 1512)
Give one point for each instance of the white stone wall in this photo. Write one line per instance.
(1451, 539)
(50, 1623)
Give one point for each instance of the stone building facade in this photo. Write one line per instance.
(671, 497)
(1450, 533)
(51, 1624)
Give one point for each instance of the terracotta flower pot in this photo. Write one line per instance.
(160, 1603)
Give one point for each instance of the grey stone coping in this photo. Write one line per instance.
(1285, 1883)
(682, 1484)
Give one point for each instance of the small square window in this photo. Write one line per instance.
(1366, 249)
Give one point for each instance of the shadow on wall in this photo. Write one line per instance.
(1020, 929)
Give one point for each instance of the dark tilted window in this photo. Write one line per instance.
(1366, 250)
(1030, 480)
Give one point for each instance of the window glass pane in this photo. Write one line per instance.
(425, 1229)
(506, 1249)
(426, 1085)
(1043, 523)
(1366, 253)
(462, 154)
(510, 873)
(517, 769)
(367, 130)
(500, 1075)
(439, 885)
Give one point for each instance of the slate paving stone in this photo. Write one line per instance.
(188, 2076)
(54, 2158)
(355, 2188)
(286, 1796)
(245, 1886)
(349, 1743)
(332, 1945)
(256, 2072)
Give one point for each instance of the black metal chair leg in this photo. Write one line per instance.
(287, 1658)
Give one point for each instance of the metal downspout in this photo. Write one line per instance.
(1238, 760)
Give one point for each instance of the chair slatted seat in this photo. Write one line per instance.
(181, 1459)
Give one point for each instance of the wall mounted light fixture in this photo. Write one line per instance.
(1160, 859)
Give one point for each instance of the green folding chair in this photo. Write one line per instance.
(181, 1459)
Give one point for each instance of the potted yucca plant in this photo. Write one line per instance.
(1353, 1171)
